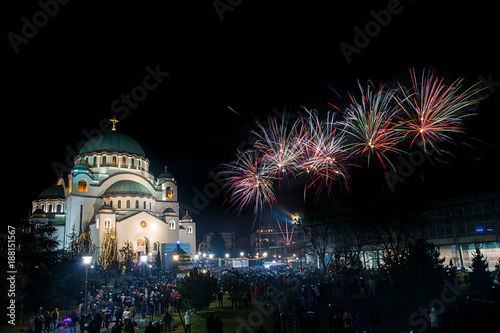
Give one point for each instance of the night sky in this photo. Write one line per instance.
(252, 57)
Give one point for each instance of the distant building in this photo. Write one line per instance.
(455, 223)
(280, 244)
(110, 188)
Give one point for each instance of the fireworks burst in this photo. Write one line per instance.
(434, 109)
(324, 154)
(276, 143)
(378, 123)
(249, 181)
(373, 123)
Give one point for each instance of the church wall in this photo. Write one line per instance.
(190, 238)
(131, 230)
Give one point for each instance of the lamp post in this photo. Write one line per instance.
(296, 220)
(86, 262)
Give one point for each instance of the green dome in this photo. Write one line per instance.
(53, 192)
(113, 142)
(127, 187)
(81, 168)
(168, 211)
(166, 175)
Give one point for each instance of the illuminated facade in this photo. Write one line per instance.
(110, 188)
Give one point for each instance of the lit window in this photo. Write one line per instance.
(82, 186)
(124, 162)
(144, 224)
(114, 161)
(107, 223)
(172, 225)
(169, 192)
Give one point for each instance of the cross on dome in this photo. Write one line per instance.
(114, 121)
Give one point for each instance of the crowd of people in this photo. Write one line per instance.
(294, 301)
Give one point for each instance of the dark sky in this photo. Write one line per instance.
(252, 56)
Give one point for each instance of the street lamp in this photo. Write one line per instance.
(297, 219)
(86, 262)
(175, 257)
(144, 260)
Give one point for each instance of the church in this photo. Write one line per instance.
(110, 188)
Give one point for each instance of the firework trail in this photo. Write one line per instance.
(324, 155)
(434, 109)
(249, 182)
(373, 123)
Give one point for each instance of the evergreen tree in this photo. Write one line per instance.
(184, 258)
(480, 277)
(197, 289)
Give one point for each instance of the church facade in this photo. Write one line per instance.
(110, 188)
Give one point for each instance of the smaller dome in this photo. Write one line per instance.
(38, 212)
(166, 174)
(187, 218)
(168, 211)
(105, 207)
(81, 168)
(53, 192)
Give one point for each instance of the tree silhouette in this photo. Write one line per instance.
(197, 289)
(480, 276)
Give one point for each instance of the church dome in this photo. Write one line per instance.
(127, 188)
(165, 174)
(113, 142)
(53, 192)
(81, 168)
(169, 211)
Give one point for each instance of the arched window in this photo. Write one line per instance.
(144, 205)
(128, 203)
(82, 186)
(107, 223)
(58, 208)
(169, 192)
(190, 229)
(172, 225)
(124, 162)
(119, 204)
(132, 164)
(114, 161)
(94, 161)
(49, 209)
(156, 247)
(137, 204)
(103, 161)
